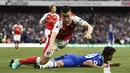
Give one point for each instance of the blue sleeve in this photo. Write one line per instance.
(97, 61)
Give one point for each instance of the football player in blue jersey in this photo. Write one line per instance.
(111, 33)
(94, 60)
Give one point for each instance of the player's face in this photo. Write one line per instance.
(53, 9)
(66, 17)
(109, 58)
(110, 26)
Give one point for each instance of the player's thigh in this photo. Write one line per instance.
(61, 43)
(66, 56)
(58, 58)
(68, 63)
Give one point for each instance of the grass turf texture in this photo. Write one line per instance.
(6, 54)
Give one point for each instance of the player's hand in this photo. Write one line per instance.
(88, 36)
(40, 22)
(116, 64)
(105, 66)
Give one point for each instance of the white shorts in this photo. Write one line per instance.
(47, 32)
(59, 44)
(17, 38)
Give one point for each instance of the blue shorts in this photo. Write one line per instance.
(68, 60)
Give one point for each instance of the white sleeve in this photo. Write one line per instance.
(43, 18)
(57, 27)
(14, 26)
(21, 27)
(58, 17)
(79, 21)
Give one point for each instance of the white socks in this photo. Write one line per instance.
(107, 69)
(49, 64)
(38, 61)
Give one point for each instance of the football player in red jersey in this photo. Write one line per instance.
(49, 19)
(59, 38)
(62, 32)
(17, 29)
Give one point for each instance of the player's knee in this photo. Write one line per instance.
(60, 63)
(44, 60)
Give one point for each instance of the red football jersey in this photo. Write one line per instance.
(50, 20)
(64, 31)
(17, 29)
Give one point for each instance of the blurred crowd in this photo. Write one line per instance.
(30, 21)
(67, 0)
(100, 21)
(33, 31)
(78, 0)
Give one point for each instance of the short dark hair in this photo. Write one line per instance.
(108, 51)
(65, 9)
(50, 7)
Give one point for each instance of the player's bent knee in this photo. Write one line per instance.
(60, 63)
(44, 60)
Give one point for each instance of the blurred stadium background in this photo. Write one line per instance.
(99, 13)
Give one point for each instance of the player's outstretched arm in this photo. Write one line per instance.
(55, 31)
(80, 21)
(89, 32)
(90, 64)
(52, 41)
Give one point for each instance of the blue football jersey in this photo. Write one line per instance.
(111, 33)
(96, 58)
(71, 60)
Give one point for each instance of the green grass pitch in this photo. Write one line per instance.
(122, 55)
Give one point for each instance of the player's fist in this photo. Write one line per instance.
(88, 36)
